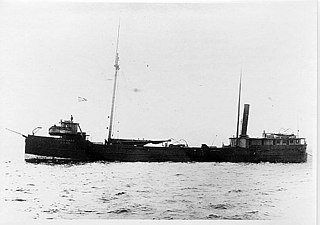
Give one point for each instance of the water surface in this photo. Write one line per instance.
(211, 191)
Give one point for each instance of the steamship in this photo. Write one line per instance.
(67, 142)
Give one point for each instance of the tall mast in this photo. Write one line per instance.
(116, 69)
(237, 135)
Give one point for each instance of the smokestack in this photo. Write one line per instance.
(245, 120)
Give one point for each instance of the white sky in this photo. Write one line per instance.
(184, 60)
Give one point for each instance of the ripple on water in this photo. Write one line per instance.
(19, 200)
(143, 191)
(120, 211)
(220, 206)
(51, 211)
(214, 216)
(235, 191)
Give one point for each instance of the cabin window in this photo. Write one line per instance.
(278, 142)
(298, 141)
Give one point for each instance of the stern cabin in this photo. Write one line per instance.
(244, 141)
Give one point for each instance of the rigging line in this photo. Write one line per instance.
(116, 105)
(214, 139)
(114, 118)
(239, 99)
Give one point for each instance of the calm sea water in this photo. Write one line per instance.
(211, 191)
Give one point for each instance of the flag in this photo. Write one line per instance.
(80, 99)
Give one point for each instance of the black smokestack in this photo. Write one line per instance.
(245, 120)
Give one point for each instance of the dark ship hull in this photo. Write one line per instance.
(76, 149)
